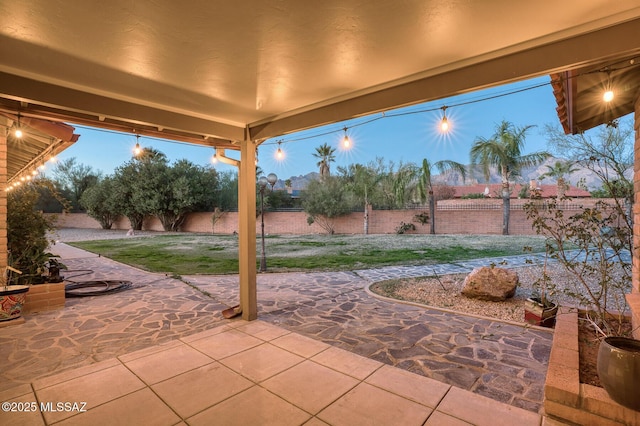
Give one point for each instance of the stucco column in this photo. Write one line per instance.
(3, 199)
(247, 230)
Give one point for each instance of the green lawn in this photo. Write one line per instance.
(187, 254)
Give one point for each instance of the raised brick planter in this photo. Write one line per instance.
(44, 297)
(565, 398)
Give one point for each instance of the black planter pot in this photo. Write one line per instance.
(619, 370)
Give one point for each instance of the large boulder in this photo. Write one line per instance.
(493, 284)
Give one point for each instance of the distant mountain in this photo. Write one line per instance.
(455, 179)
(529, 173)
(298, 182)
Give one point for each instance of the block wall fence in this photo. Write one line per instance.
(452, 217)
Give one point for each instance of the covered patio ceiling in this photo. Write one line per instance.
(217, 73)
(41, 140)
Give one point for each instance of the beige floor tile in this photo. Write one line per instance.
(171, 362)
(94, 389)
(149, 351)
(310, 386)
(480, 410)
(440, 419)
(74, 373)
(420, 389)
(224, 344)
(15, 392)
(347, 362)
(369, 405)
(262, 330)
(255, 406)
(23, 410)
(193, 391)
(139, 408)
(207, 333)
(316, 422)
(261, 362)
(300, 345)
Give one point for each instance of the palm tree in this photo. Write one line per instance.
(404, 183)
(325, 153)
(559, 170)
(504, 151)
(425, 184)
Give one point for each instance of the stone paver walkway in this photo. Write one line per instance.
(506, 362)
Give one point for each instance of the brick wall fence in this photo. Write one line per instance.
(452, 217)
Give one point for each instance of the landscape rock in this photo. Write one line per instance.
(492, 284)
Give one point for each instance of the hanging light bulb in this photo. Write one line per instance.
(18, 131)
(137, 150)
(279, 151)
(608, 93)
(444, 123)
(346, 142)
(214, 158)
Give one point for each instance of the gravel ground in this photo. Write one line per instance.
(445, 292)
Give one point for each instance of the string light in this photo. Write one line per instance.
(444, 123)
(279, 151)
(214, 158)
(18, 131)
(608, 93)
(346, 142)
(137, 150)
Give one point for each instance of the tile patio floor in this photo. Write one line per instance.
(253, 373)
(199, 369)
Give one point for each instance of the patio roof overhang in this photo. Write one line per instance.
(41, 140)
(579, 93)
(223, 72)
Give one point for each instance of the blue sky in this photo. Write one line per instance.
(401, 138)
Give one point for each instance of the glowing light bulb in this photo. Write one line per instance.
(214, 158)
(346, 142)
(444, 124)
(137, 150)
(279, 152)
(608, 95)
(18, 133)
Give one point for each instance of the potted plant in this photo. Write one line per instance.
(539, 309)
(27, 243)
(12, 297)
